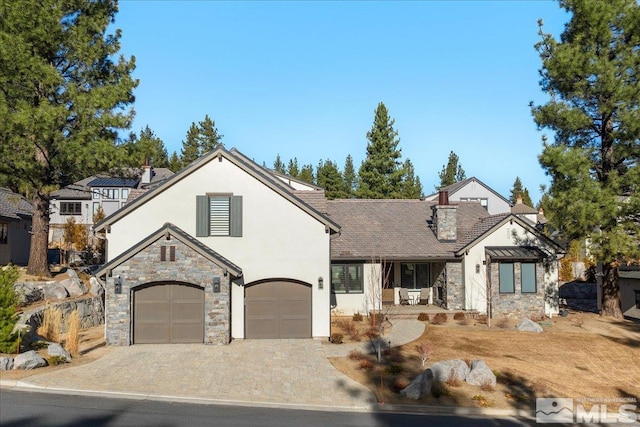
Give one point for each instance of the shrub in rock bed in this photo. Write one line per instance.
(458, 316)
(439, 319)
(336, 338)
(357, 317)
(423, 317)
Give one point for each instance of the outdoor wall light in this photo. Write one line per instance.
(320, 282)
(216, 284)
(117, 284)
(477, 268)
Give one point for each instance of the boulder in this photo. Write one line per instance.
(528, 325)
(74, 286)
(55, 291)
(55, 349)
(28, 360)
(480, 374)
(71, 273)
(29, 293)
(443, 370)
(6, 363)
(96, 288)
(420, 386)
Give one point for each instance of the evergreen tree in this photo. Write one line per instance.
(331, 180)
(278, 166)
(452, 172)
(145, 148)
(190, 146)
(519, 189)
(411, 185)
(8, 309)
(306, 174)
(64, 96)
(201, 138)
(349, 176)
(175, 164)
(292, 169)
(381, 172)
(592, 75)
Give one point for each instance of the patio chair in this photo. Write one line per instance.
(404, 297)
(424, 296)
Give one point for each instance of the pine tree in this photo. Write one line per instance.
(452, 172)
(330, 178)
(201, 138)
(175, 164)
(411, 186)
(592, 75)
(64, 95)
(292, 169)
(306, 174)
(381, 172)
(519, 190)
(190, 146)
(278, 166)
(349, 176)
(8, 309)
(145, 148)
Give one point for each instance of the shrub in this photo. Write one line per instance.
(453, 380)
(483, 319)
(399, 384)
(393, 369)
(458, 316)
(503, 322)
(423, 317)
(337, 338)
(357, 317)
(72, 343)
(439, 319)
(439, 390)
(355, 355)
(372, 333)
(50, 326)
(8, 307)
(464, 321)
(487, 386)
(56, 360)
(375, 319)
(482, 401)
(424, 351)
(365, 364)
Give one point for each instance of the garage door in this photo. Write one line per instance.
(168, 313)
(278, 310)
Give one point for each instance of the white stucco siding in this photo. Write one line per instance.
(56, 218)
(348, 304)
(507, 235)
(279, 240)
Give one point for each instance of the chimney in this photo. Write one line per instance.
(445, 218)
(146, 173)
(519, 199)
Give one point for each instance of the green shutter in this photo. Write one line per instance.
(236, 216)
(202, 216)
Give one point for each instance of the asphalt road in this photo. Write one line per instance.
(40, 409)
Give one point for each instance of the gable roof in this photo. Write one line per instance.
(394, 229)
(453, 188)
(241, 161)
(185, 238)
(288, 179)
(486, 226)
(13, 205)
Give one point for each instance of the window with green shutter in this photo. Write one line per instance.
(219, 215)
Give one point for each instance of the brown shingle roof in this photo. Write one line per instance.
(13, 205)
(393, 229)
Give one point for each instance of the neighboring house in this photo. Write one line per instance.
(82, 199)
(527, 212)
(221, 250)
(629, 283)
(466, 258)
(15, 228)
(474, 190)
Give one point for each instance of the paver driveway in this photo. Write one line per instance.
(259, 371)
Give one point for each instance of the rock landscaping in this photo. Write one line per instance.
(528, 325)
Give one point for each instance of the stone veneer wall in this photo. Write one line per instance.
(189, 267)
(516, 304)
(455, 286)
(445, 218)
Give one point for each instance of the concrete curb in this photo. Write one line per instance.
(18, 385)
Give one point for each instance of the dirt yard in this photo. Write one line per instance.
(580, 356)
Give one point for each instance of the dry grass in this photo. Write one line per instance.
(72, 343)
(599, 359)
(503, 322)
(51, 324)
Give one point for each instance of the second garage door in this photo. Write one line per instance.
(168, 313)
(278, 309)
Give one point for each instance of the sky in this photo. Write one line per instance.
(303, 78)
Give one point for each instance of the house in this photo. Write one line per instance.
(466, 258)
(15, 228)
(527, 212)
(629, 283)
(474, 190)
(221, 250)
(82, 199)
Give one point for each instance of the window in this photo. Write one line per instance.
(219, 215)
(528, 277)
(347, 279)
(484, 202)
(507, 284)
(110, 193)
(637, 299)
(96, 193)
(4, 233)
(125, 193)
(96, 207)
(414, 276)
(70, 208)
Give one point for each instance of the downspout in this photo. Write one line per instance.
(489, 295)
